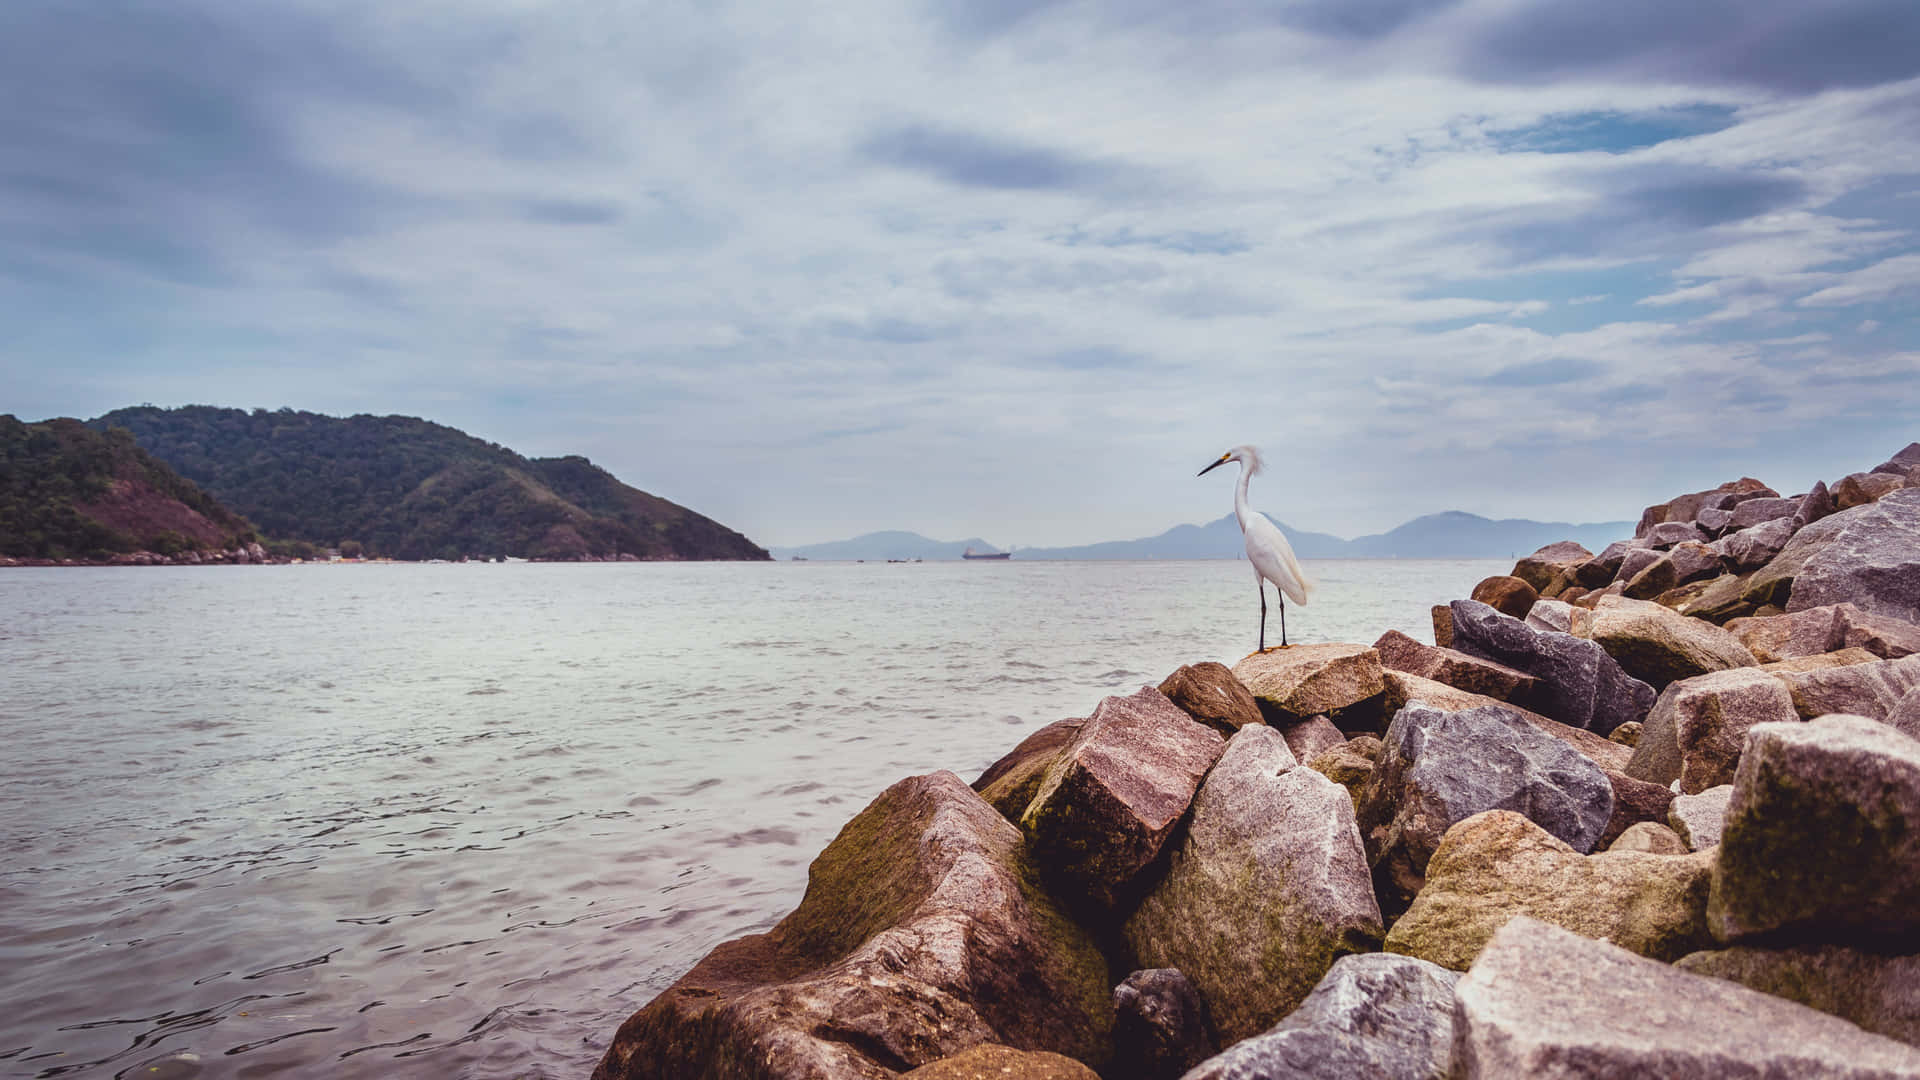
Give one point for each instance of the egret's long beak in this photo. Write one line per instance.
(1223, 460)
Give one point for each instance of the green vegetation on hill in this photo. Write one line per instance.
(70, 492)
(412, 489)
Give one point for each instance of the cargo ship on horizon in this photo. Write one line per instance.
(972, 554)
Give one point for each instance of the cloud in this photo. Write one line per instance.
(1881, 281)
(967, 159)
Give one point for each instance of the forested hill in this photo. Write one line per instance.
(411, 489)
(70, 492)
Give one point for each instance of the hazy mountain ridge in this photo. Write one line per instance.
(1452, 534)
(70, 492)
(413, 489)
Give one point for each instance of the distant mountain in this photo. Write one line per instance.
(878, 546)
(70, 492)
(404, 487)
(1450, 535)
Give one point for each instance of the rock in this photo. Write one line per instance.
(1509, 595)
(1683, 564)
(1267, 889)
(1871, 689)
(1751, 549)
(1881, 635)
(1160, 1027)
(1312, 737)
(1540, 568)
(1443, 626)
(1348, 766)
(1902, 462)
(1816, 504)
(1723, 598)
(1754, 511)
(1209, 693)
(1339, 681)
(1634, 801)
(1403, 688)
(1659, 646)
(1699, 819)
(1375, 1016)
(1635, 561)
(1496, 865)
(1698, 727)
(1437, 768)
(1627, 734)
(1579, 684)
(1778, 637)
(1820, 661)
(1773, 583)
(920, 935)
(1596, 572)
(1561, 616)
(1879, 993)
(1545, 1003)
(1860, 489)
(1009, 784)
(1712, 520)
(1108, 801)
(1872, 561)
(1680, 596)
(1822, 836)
(1905, 717)
(992, 1062)
(1652, 838)
(1667, 534)
(1457, 669)
(1687, 507)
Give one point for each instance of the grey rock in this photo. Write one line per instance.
(1545, 1003)
(1881, 635)
(1578, 683)
(1377, 1016)
(1905, 717)
(1751, 549)
(1160, 1027)
(1608, 562)
(1697, 729)
(1659, 646)
(1879, 993)
(1109, 800)
(1872, 689)
(1901, 463)
(1814, 505)
(1437, 768)
(1872, 560)
(1267, 889)
(1688, 507)
(1668, 533)
(1699, 819)
(1712, 520)
(1457, 669)
(1560, 616)
(1682, 564)
(1754, 511)
(1634, 562)
(1822, 837)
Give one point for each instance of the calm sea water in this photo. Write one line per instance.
(459, 821)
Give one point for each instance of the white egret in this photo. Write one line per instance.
(1267, 548)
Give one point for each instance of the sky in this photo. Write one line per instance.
(1014, 269)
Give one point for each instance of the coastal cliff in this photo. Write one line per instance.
(1641, 812)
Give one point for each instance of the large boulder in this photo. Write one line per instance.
(1873, 561)
(1437, 768)
(1870, 689)
(1859, 489)
(1009, 784)
(1561, 616)
(1508, 594)
(1905, 717)
(1160, 1027)
(1376, 1016)
(1545, 1003)
(1822, 836)
(1814, 505)
(1267, 889)
(1339, 681)
(1827, 628)
(1751, 549)
(1879, 993)
(921, 934)
(1497, 864)
(1902, 463)
(1687, 507)
(992, 1062)
(1666, 535)
(1403, 689)
(1470, 673)
(1111, 797)
(1757, 511)
(1697, 729)
(1659, 646)
(1542, 567)
(1683, 564)
(1312, 737)
(1578, 683)
(1209, 693)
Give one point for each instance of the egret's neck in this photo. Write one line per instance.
(1240, 508)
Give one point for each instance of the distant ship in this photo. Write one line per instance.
(972, 554)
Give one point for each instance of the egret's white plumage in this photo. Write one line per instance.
(1267, 548)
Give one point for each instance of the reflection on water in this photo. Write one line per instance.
(461, 820)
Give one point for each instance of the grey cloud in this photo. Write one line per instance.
(1349, 19)
(1095, 358)
(1785, 45)
(1555, 372)
(569, 212)
(968, 159)
(1638, 210)
(1182, 242)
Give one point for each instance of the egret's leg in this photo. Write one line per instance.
(1283, 618)
(1258, 584)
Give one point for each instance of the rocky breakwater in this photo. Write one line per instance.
(1601, 829)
